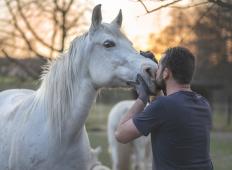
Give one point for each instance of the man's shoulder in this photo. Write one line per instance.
(160, 102)
(175, 100)
(164, 100)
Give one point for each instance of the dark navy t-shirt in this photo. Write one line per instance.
(179, 125)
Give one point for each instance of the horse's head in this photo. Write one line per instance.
(114, 62)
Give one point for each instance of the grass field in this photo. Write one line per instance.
(13, 82)
(221, 149)
(221, 141)
(221, 138)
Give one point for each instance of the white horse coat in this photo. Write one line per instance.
(136, 153)
(44, 129)
(98, 165)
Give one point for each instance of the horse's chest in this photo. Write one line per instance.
(28, 150)
(38, 151)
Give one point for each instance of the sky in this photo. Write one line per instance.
(136, 23)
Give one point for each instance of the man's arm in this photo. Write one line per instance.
(127, 130)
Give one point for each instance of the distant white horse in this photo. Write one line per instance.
(136, 153)
(44, 129)
(94, 158)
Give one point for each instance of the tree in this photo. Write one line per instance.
(214, 34)
(41, 28)
(226, 4)
(178, 32)
(206, 29)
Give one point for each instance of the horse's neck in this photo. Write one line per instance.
(67, 96)
(76, 110)
(83, 99)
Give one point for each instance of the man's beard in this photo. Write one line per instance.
(160, 84)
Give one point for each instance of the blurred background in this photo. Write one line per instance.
(33, 32)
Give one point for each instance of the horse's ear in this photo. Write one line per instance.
(118, 20)
(96, 18)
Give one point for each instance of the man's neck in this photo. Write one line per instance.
(172, 87)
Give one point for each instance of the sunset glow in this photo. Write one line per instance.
(137, 25)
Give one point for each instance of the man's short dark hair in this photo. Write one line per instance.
(181, 62)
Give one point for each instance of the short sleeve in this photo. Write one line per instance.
(151, 118)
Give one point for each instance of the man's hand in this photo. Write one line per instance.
(142, 89)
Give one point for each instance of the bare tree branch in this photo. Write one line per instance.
(197, 23)
(55, 29)
(21, 31)
(69, 5)
(39, 39)
(221, 3)
(57, 5)
(25, 23)
(14, 34)
(6, 21)
(145, 7)
(62, 24)
(63, 30)
(160, 7)
(190, 6)
(4, 43)
(75, 20)
(40, 5)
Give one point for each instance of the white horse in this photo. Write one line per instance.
(44, 129)
(136, 153)
(94, 156)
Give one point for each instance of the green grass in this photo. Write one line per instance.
(220, 122)
(14, 82)
(221, 149)
(98, 115)
(221, 142)
(100, 139)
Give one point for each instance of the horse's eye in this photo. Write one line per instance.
(108, 44)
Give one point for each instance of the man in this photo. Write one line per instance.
(179, 123)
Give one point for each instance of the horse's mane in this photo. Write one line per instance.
(58, 78)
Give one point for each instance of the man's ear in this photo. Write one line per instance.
(166, 73)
